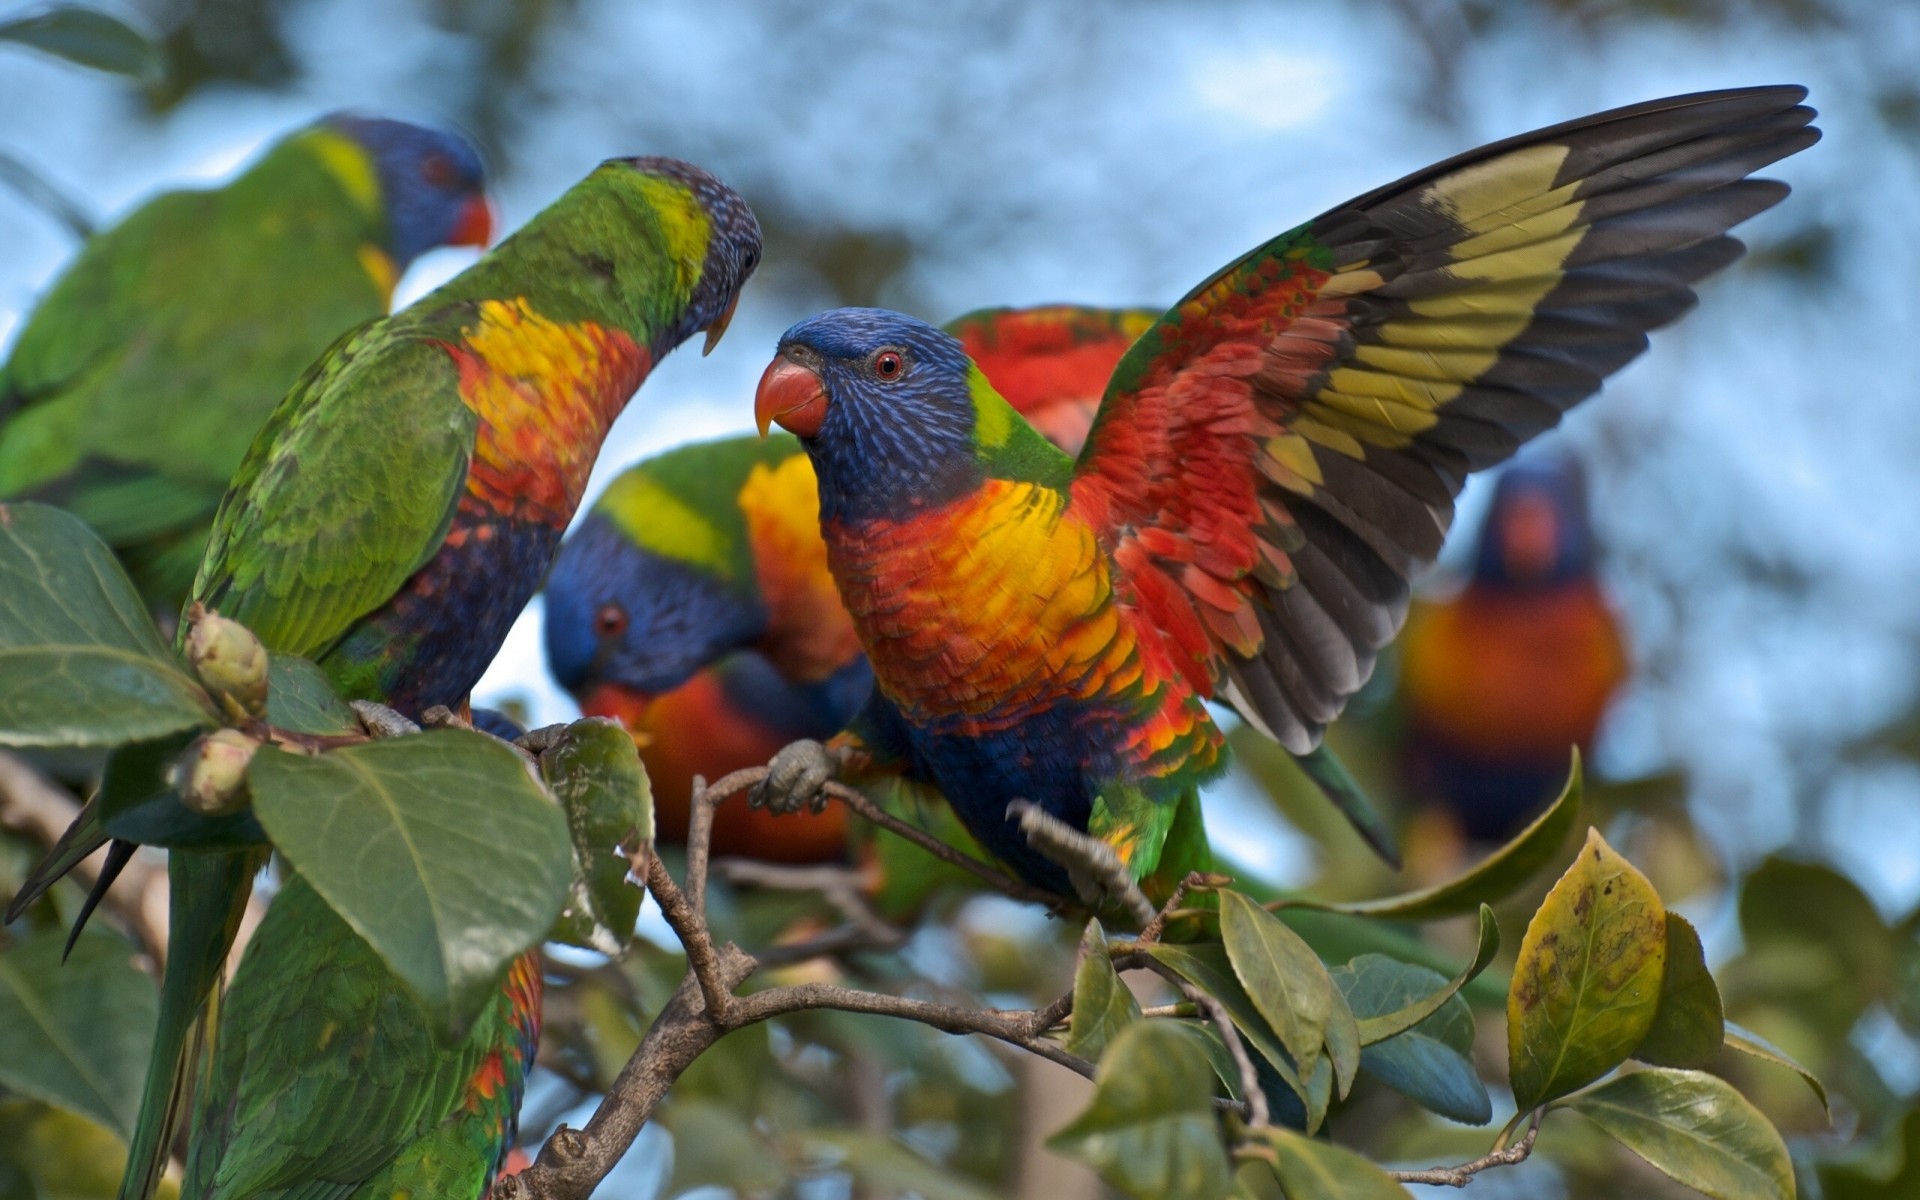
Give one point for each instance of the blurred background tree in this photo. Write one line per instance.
(1750, 482)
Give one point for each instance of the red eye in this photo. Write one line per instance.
(888, 365)
(436, 170)
(610, 621)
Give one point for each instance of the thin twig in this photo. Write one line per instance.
(706, 798)
(841, 887)
(702, 959)
(1258, 1115)
(998, 880)
(1463, 1174)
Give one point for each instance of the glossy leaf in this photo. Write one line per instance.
(1496, 877)
(438, 849)
(1586, 984)
(1150, 1131)
(1206, 967)
(77, 1035)
(1283, 977)
(1309, 1169)
(49, 1153)
(595, 773)
(1696, 1129)
(1689, 1025)
(301, 700)
(89, 38)
(1752, 1044)
(1103, 1007)
(1431, 1062)
(81, 663)
(1386, 1024)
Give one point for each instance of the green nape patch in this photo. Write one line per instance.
(1007, 446)
(684, 504)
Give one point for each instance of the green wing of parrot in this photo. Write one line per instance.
(328, 516)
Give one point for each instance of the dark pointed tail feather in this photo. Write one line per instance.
(209, 891)
(119, 854)
(81, 839)
(1327, 771)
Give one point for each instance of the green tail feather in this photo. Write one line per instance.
(208, 893)
(1327, 771)
(82, 838)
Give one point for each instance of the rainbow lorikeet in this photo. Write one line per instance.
(1500, 679)
(393, 517)
(695, 604)
(136, 386)
(1270, 463)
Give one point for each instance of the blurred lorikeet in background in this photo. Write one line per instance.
(136, 386)
(695, 604)
(392, 519)
(1501, 679)
(1270, 463)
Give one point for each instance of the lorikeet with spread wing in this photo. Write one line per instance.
(1499, 680)
(393, 517)
(136, 386)
(695, 604)
(1270, 463)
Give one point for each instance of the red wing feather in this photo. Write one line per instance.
(1283, 447)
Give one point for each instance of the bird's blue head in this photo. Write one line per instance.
(1537, 534)
(432, 184)
(886, 406)
(635, 619)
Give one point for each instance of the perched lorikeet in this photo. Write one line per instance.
(393, 517)
(1499, 680)
(136, 386)
(1270, 463)
(695, 605)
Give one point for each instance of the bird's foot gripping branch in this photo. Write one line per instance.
(451, 853)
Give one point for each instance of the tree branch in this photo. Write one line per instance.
(1463, 1174)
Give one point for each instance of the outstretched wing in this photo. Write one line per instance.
(1052, 362)
(1281, 451)
(347, 491)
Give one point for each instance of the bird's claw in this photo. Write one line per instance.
(380, 721)
(796, 779)
(1098, 876)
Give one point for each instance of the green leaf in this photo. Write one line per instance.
(1689, 1025)
(1747, 1042)
(1150, 1131)
(715, 1146)
(1314, 1170)
(1286, 981)
(1206, 967)
(1431, 1062)
(89, 38)
(1498, 876)
(595, 774)
(300, 699)
(885, 1167)
(438, 849)
(1102, 1005)
(1385, 1025)
(138, 802)
(1343, 1040)
(1696, 1129)
(77, 1035)
(1586, 984)
(81, 663)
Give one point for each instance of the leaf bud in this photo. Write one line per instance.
(229, 661)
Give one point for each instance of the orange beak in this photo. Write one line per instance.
(792, 397)
(475, 224)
